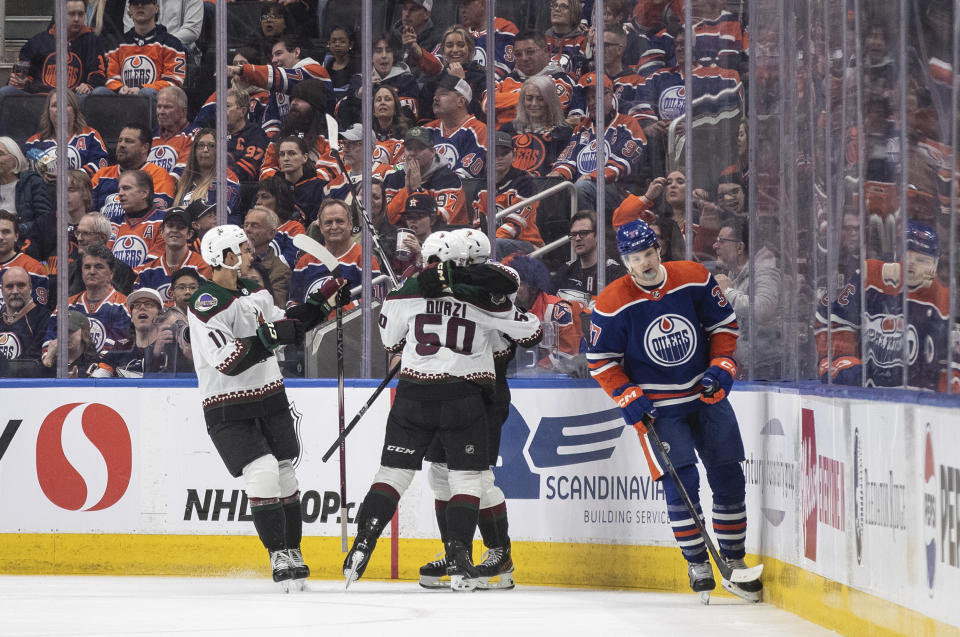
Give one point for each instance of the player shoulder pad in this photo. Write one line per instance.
(209, 300)
(409, 288)
(616, 295)
(683, 272)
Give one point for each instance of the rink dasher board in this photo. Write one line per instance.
(858, 492)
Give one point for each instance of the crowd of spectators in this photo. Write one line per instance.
(139, 204)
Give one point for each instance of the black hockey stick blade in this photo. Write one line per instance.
(363, 410)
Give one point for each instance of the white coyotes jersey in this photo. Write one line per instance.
(219, 319)
(448, 337)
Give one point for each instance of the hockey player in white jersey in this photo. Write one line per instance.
(496, 569)
(234, 329)
(446, 377)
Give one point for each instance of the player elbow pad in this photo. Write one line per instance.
(254, 352)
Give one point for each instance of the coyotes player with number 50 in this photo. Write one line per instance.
(661, 345)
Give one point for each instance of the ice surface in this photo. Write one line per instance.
(203, 607)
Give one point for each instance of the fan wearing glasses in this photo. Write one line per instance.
(577, 278)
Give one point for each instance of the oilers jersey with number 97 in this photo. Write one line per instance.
(661, 338)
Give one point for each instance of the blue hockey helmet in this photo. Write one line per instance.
(636, 236)
(922, 238)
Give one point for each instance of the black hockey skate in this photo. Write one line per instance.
(497, 564)
(358, 557)
(300, 570)
(432, 574)
(749, 591)
(463, 574)
(701, 579)
(282, 569)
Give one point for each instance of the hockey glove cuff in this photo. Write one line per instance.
(717, 380)
(283, 332)
(634, 406)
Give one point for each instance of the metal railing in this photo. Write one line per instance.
(543, 194)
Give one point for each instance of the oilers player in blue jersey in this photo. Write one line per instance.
(661, 345)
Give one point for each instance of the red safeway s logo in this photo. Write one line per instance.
(61, 482)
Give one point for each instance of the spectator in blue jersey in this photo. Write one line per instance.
(86, 149)
(133, 149)
(473, 15)
(94, 229)
(199, 179)
(274, 193)
(87, 66)
(261, 226)
(246, 141)
(183, 283)
(82, 355)
(24, 323)
(300, 174)
(157, 274)
(126, 359)
(22, 191)
(540, 131)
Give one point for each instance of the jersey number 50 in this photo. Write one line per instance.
(428, 343)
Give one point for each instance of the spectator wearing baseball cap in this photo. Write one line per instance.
(460, 134)
(455, 58)
(516, 231)
(426, 172)
(126, 359)
(81, 352)
(156, 274)
(415, 28)
(203, 216)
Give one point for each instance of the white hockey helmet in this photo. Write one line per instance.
(478, 245)
(445, 246)
(218, 240)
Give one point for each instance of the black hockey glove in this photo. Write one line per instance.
(283, 332)
(435, 281)
(320, 303)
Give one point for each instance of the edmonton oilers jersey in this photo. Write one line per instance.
(139, 242)
(24, 338)
(664, 338)
(310, 275)
(109, 319)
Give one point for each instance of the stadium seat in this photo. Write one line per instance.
(110, 113)
(20, 116)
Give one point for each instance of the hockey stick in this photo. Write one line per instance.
(314, 248)
(334, 140)
(340, 423)
(363, 410)
(733, 575)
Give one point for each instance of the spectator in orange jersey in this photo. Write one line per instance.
(137, 236)
(566, 37)
(11, 257)
(147, 58)
(171, 142)
(539, 130)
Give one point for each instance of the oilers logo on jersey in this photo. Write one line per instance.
(670, 341)
(381, 155)
(672, 103)
(131, 249)
(283, 103)
(98, 333)
(163, 156)
(587, 159)
(528, 151)
(112, 209)
(448, 154)
(10, 347)
(47, 162)
(138, 70)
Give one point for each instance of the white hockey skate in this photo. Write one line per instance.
(701, 579)
(496, 570)
(747, 590)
